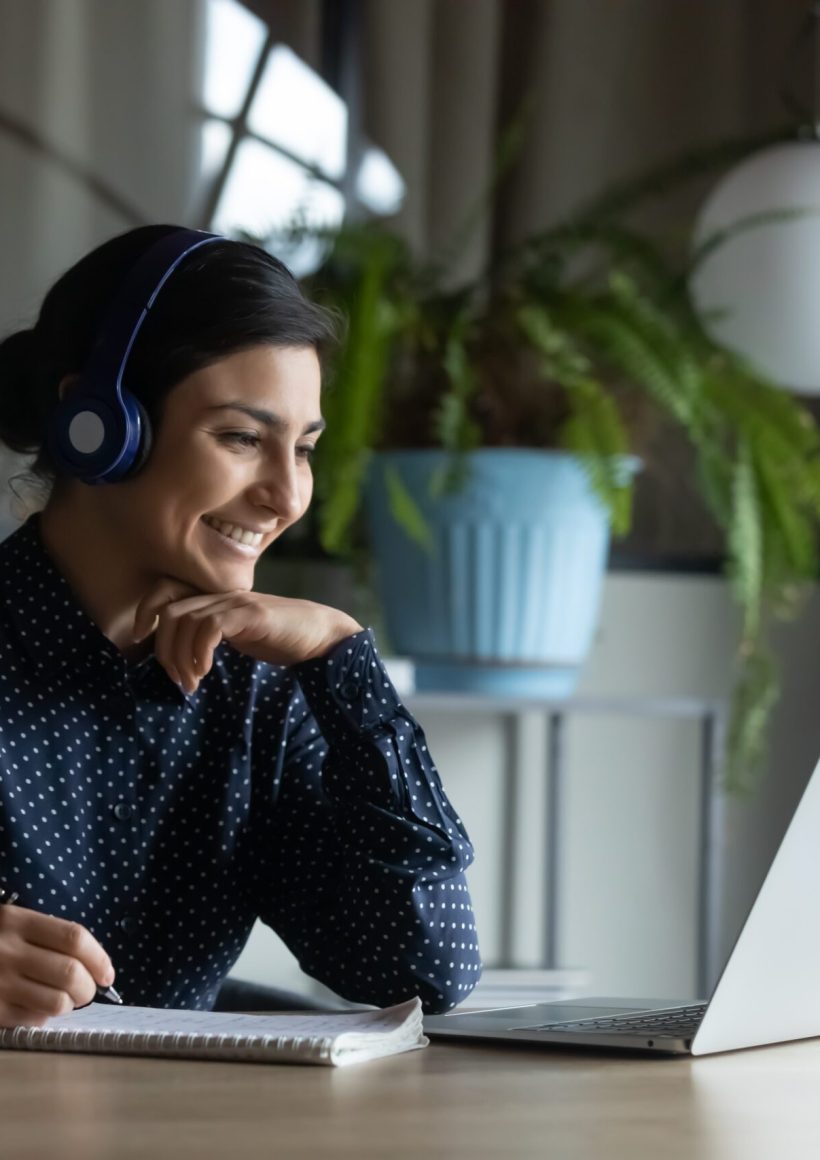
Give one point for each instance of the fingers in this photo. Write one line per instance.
(153, 628)
(268, 628)
(182, 633)
(164, 647)
(48, 966)
(51, 973)
(165, 591)
(184, 627)
(207, 637)
(39, 999)
(13, 1016)
(69, 939)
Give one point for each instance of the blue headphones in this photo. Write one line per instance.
(101, 433)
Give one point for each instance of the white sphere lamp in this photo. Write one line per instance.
(757, 289)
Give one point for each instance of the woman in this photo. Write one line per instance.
(180, 755)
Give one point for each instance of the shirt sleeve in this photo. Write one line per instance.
(363, 856)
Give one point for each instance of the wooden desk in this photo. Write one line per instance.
(442, 1102)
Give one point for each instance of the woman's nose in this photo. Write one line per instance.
(278, 489)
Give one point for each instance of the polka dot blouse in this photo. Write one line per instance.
(167, 823)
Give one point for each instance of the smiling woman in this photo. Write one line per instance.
(180, 755)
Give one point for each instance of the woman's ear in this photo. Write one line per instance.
(65, 385)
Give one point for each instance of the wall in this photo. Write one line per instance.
(110, 84)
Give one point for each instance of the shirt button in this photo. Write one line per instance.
(349, 690)
(128, 923)
(122, 811)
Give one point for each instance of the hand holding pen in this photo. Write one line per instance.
(48, 966)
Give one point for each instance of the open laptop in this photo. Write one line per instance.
(769, 991)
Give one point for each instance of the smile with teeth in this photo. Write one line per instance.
(234, 532)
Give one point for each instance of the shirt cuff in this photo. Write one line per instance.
(349, 686)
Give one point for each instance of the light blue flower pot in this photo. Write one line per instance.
(508, 599)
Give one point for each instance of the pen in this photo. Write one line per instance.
(7, 897)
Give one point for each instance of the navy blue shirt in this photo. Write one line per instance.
(166, 823)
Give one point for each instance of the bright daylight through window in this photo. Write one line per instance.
(277, 146)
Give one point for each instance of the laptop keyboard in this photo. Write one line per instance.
(679, 1021)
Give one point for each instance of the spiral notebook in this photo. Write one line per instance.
(337, 1040)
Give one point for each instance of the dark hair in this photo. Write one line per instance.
(225, 297)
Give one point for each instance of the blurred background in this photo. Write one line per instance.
(464, 129)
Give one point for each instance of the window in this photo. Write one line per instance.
(276, 142)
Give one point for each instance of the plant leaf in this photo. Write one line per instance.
(406, 511)
(745, 543)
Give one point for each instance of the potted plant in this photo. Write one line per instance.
(553, 355)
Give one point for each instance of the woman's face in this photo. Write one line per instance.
(231, 459)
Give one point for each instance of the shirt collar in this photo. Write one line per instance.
(55, 631)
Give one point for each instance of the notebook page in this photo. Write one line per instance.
(139, 1020)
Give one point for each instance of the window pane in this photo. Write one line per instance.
(266, 192)
(215, 137)
(378, 183)
(294, 108)
(233, 41)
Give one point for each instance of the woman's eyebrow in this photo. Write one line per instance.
(268, 418)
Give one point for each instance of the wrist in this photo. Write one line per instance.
(341, 628)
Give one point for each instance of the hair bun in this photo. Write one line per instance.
(21, 423)
(19, 347)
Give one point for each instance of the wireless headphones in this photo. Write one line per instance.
(101, 433)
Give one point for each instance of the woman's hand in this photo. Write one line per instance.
(48, 966)
(268, 628)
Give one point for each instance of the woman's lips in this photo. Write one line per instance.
(237, 550)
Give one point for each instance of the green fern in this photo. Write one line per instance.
(755, 695)
(640, 347)
(594, 430)
(766, 414)
(453, 425)
(545, 266)
(713, 471)
(664, 332)
(595, 433)
(790, 540)
(353, 406)
(745, 543)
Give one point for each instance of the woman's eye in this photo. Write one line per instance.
(240, 438)
(307, 452)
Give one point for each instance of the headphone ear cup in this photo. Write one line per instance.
(146, 440)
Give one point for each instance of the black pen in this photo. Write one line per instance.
(7, 897)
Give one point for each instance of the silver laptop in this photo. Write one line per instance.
(769, 991)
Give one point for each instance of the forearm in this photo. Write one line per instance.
(376, 937)
(388, 913)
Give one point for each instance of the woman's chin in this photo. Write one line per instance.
(206, 575)
(228, 577)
